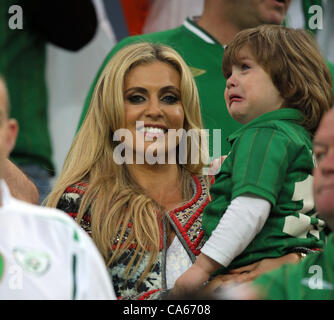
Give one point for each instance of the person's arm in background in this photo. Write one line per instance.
(19, 184)
(66, 24)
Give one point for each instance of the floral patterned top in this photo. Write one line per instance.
(185, 220)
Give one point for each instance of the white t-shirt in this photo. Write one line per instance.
(45, 255)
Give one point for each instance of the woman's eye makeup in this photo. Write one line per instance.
(166, 95)
(170, 99)
(135, 98)
(166, 99)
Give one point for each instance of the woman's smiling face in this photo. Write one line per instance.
(152, 95)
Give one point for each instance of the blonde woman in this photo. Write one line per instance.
(144, 216)
(126, 206)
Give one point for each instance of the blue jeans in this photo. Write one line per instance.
(40, 177)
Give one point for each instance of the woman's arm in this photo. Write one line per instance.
(250, 272)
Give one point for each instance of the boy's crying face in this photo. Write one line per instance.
(250, 91)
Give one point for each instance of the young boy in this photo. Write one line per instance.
(278, 87)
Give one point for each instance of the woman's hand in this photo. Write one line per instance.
(215, 165)
(252, 271)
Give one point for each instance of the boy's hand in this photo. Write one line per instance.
(196, 275)
(190, 280)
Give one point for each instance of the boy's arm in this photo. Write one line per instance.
(243, 219)
(196, 275)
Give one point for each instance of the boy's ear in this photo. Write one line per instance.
(12, 131)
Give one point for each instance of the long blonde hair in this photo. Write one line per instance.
(113, 197)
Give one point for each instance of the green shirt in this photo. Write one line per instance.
(271, 157)
(22, 64)
(311, 279)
